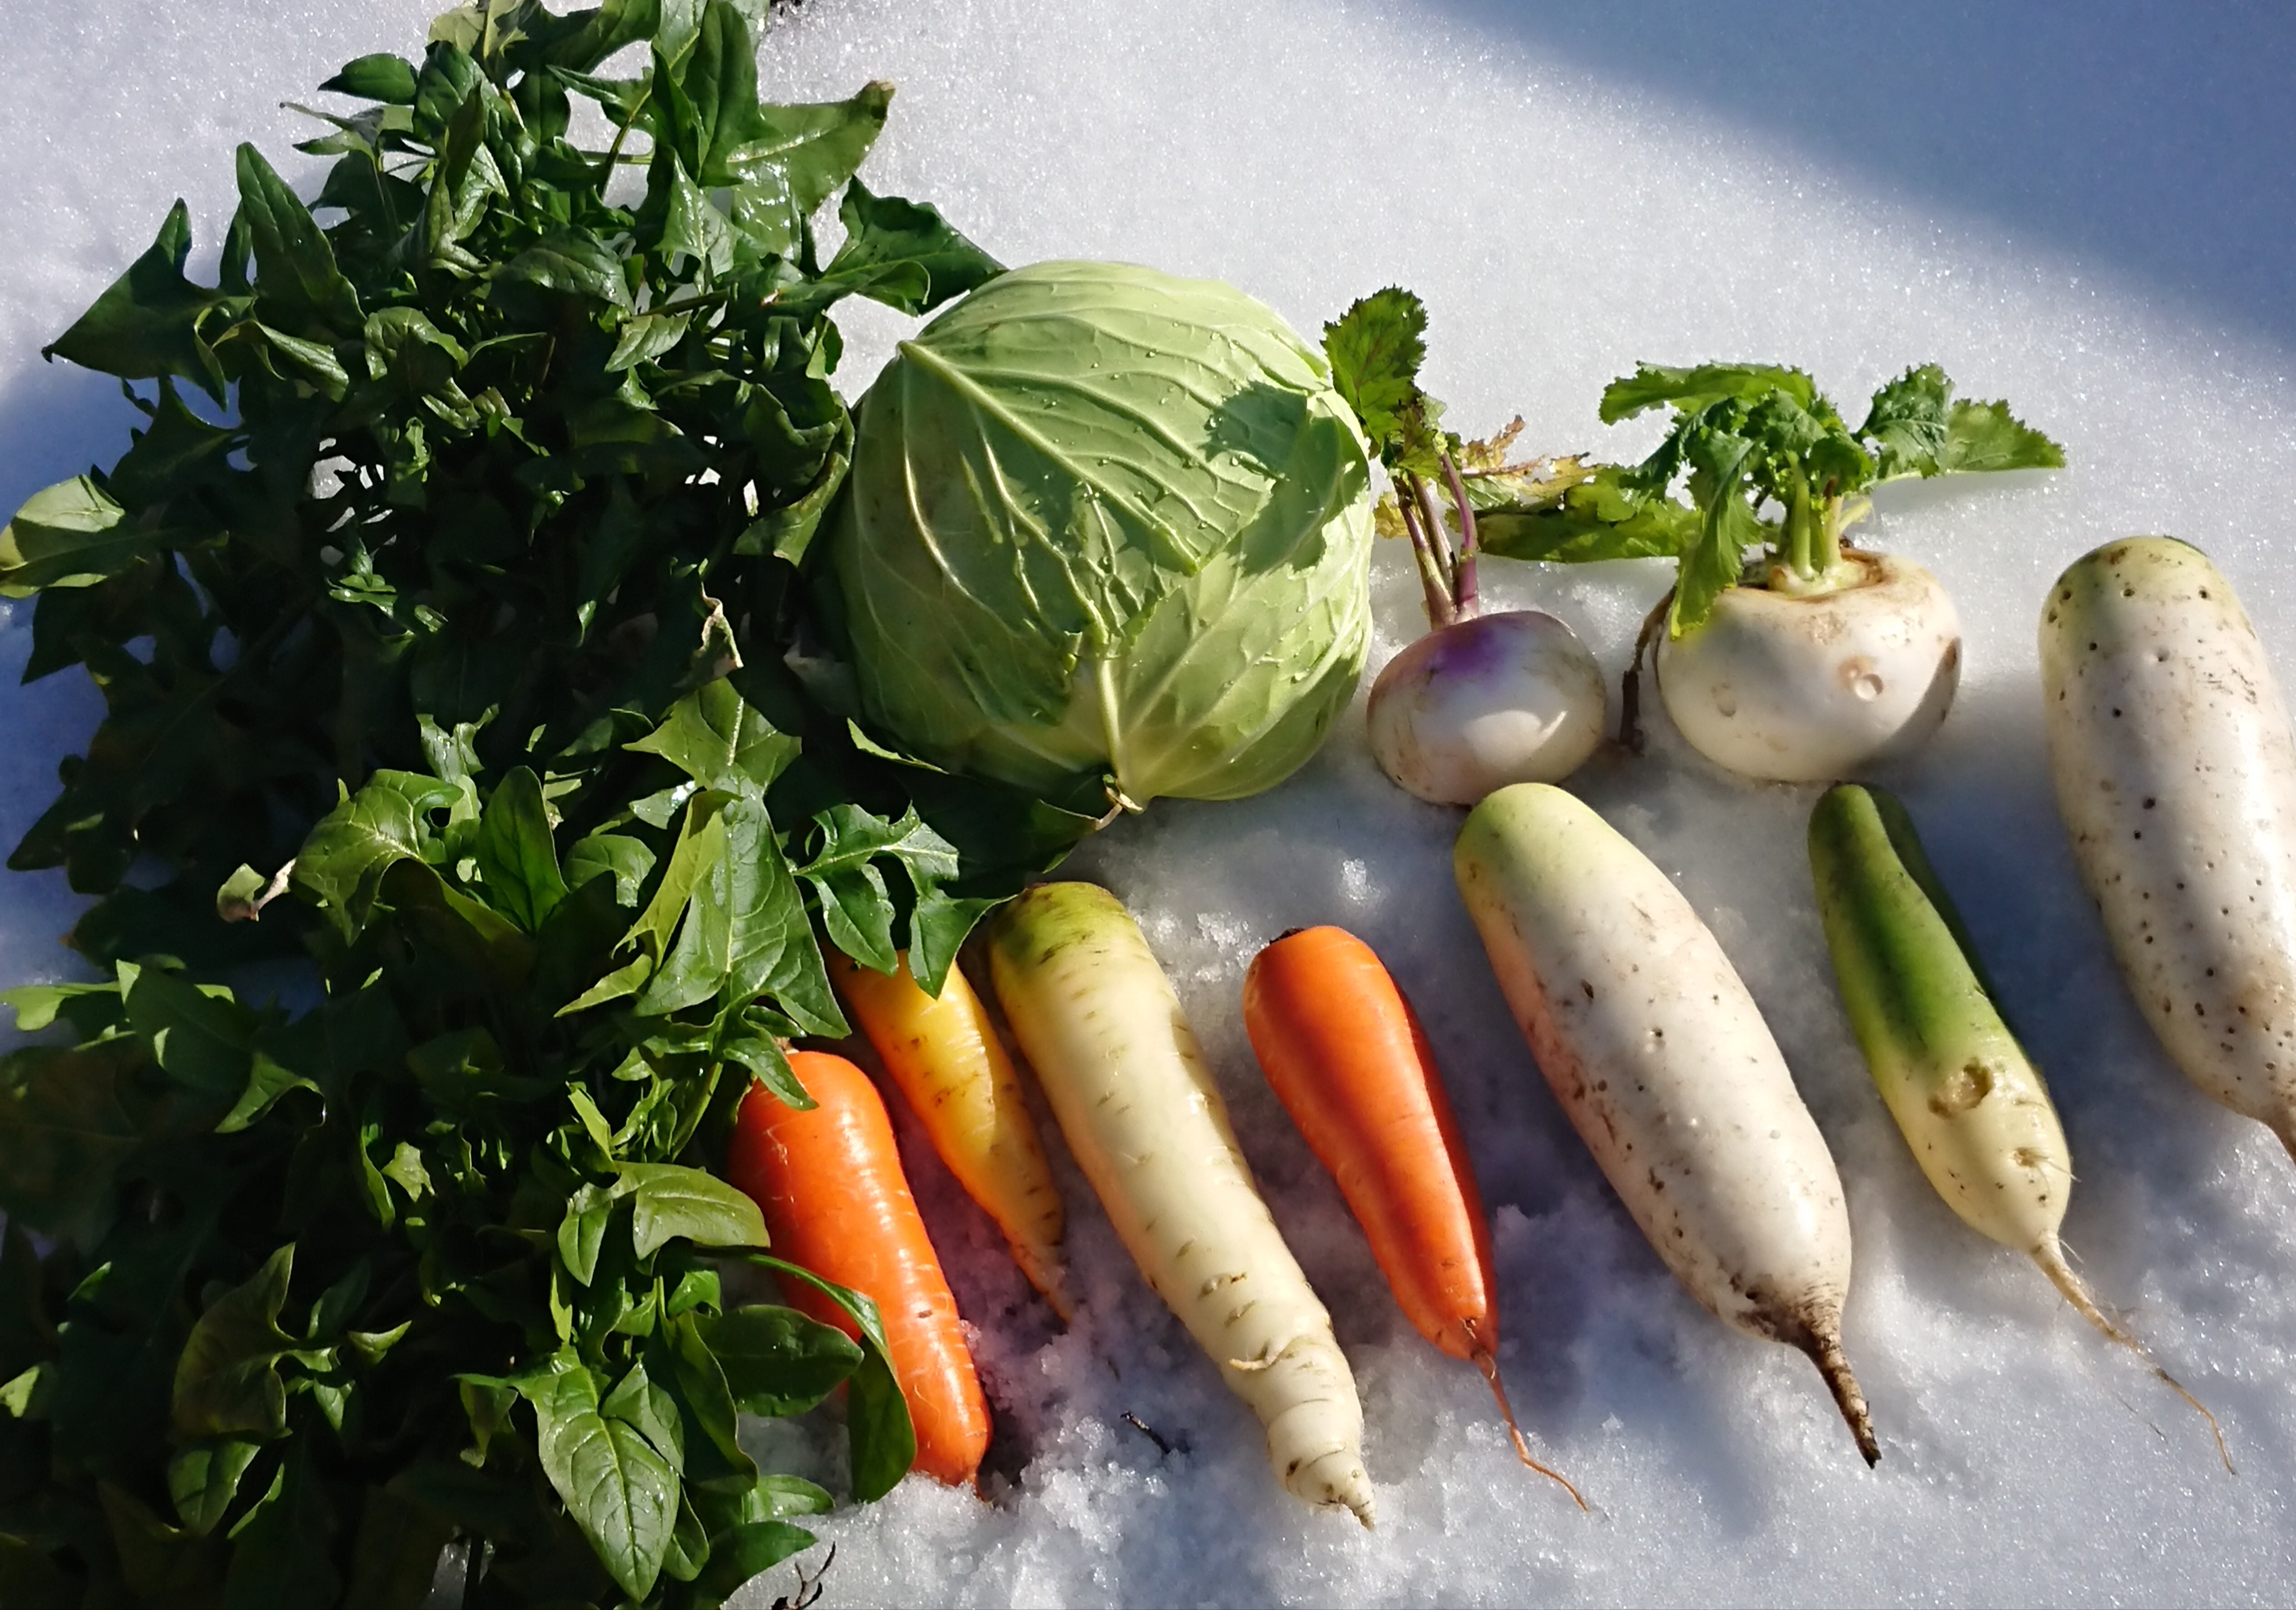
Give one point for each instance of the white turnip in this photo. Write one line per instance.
(1787, 655)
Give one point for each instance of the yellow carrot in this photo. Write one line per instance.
(945, 1057)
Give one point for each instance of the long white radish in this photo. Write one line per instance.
(2176, 775)
(1662, 1059)
(1097, 1019)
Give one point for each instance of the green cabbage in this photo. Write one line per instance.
(1107, 527)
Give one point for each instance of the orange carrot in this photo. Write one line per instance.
(1347, 1057)
(829, 1183)
(945, 1057)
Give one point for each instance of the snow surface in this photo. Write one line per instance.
(2084, 208)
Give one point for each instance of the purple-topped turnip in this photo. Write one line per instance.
(1481, 700)
(1789, 655)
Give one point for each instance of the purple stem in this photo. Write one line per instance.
(1439, 538)
(1439, 611)
(1465, 594)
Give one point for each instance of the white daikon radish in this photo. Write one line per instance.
(1650, 1041)
(2176, 775)
(1097, 1019)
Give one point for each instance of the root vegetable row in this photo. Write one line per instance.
(2163, 720)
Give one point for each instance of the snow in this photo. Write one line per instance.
(2083, 207)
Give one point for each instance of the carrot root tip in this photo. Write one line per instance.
(1490, 1365)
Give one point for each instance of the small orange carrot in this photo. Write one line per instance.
(829, 1183)
(953, 1071)
(1347, 1057)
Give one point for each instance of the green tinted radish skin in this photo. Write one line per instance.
(2176, 775)
(1663, 1064)
(1969, 1101)
(1096, 1016)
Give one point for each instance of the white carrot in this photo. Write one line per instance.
(1097, 1019)
(1668, 1072)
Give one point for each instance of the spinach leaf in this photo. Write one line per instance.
(443, 660)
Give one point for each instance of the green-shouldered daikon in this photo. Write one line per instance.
(1969, 1101)
(2176, 775)
(1660, 1058)
(1097, 1019)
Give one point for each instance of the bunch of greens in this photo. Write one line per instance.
(444, 644)
(1747, 439)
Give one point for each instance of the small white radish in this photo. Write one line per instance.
(1662, 1059)
(1807, 688)
(1098, 1021)
(1967, 1099)
(2176, 775)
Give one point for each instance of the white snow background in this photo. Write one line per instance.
(2089, 208)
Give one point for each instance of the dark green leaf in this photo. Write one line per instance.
(740, 1555)
(797, 162)
(618, 1489)
(646, 337)
(759, 1052)
(91, 1009)
(69, 1121)
(267, 1082)
(70, 534)
(571, 260)
(885, 230)
(298, 287)
(395, 1556)
(720, 740)
(378, 77)
(204, 1478)
(341, 865)
(160, 1563)
(285, 1558)
(514, 852)
(616, 855)
(582, 1232)
(1906, 422)
(227, 1381)
(876, 1417)
(638, 1402)
(668, 1202)
(148, 322)
(776, 1360)
(201, 1036)
(1727, 529)
(30, 1580)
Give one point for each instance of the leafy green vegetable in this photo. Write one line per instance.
(440, 610)
(1105, 538)
(1375, 349)
(1748, 438)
